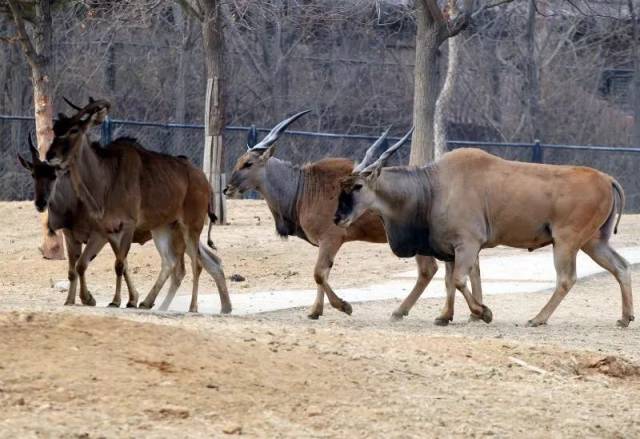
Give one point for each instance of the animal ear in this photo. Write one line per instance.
(25, 164)
(268, 153)
(373, 174)
(100, 116)
(95, 119)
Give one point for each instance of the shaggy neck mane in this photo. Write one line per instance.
(407, 193)
(282, 188)
(322, 178)
(400, 185)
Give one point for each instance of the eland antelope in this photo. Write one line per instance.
(303, 200)
(55, 194)
(126, 188)
(470, 200)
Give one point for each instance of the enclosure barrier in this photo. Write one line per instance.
(305, 146)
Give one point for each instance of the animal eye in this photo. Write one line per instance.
(357, 187)
(247, 165)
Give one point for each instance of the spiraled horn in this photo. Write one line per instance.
(277, 131)
(71, 104)
(385, 155)
(35, 155)
(372, 152)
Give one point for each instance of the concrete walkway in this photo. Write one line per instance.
(520, 273)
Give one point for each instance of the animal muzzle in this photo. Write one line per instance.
(53, 161)
(340, 220)
(232, 191)
(41, 205)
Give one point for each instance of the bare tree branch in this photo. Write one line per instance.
(191, 9)
(32, 56)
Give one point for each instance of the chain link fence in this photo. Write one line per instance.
(301, 147)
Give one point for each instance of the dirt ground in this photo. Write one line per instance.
(94, 372)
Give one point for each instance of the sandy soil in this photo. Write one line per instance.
(92, 372)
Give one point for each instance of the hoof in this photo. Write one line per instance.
(69, 303)
(132, 305)
(90, 301)
(113, 305)
(487, 315)
(398, 315)
(314, 315)
(346, 307)
(226, 309)
(624, 322)
(144, 305)
(534, 324)
(442, 321)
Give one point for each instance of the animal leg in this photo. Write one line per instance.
(191, 243)
(91, 249)
(317, 308)
(605, 256)
(176, 279)
(427, 268)
(447, 311)
(564, 259)
(133, 293)
(213, 265)
(74, 249)
(121, 243)
(162, 239)
(476, 287)
(465, 258)
(321, 273)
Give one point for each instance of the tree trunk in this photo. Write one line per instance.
(280, 79)
(444, 104)
(635, 85)
(37, 49)
(52, 246)
(532, 85)
(183, 24)
(425, 86)
(214, 106)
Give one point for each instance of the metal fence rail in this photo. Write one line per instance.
(537, 148)
(304, 146)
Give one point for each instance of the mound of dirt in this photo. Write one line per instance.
(611, 366)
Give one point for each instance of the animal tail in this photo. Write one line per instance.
(211, 209)
(620, 191)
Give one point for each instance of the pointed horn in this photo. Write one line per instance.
(35, 155)
(252, 137)
(277, 131)
(388, 153)
(372, 151)
(71, 104)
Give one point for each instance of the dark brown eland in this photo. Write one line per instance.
(126, 188)
(54, 193)
(470, 200)
(303, 200)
